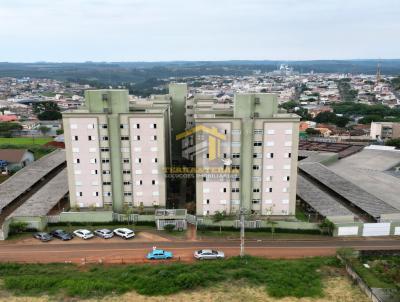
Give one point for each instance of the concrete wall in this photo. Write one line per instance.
(101, 216)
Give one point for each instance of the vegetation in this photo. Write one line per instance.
(395, 142)
(169, 227)
(327, 226)
(47, 111)
(312, 131)
(6, 128)
(298, 278)
(17, 227)
(219, 217)
(396, 83)
(331, 118)
(37, 149)
(24, 141)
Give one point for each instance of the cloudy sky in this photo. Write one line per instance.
(164, 30)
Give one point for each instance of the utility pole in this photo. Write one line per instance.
(241, 232)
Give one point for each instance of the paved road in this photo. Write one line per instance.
(131, 251)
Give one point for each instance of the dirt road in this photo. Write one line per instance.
(131, 251)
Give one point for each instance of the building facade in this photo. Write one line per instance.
(255, 163)
(385, 130)
(116, 153)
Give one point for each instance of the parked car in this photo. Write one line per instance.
(61, 234)
(104, 233)
(124, 233)
(84, 234)
(42, 236)
(208, 254)
(159, 254)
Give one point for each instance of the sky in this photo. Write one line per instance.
(168, 30)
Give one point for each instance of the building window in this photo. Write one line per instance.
(236, 155)
(124, 138)
(90, 138)
(95, 193)
(270, 155)
(286, 167)
(288, 131)
(124, 150)
(126, 172)
(126, 160)
(139, 182)
(270, 143)
(106, 172)
(257, 144)
(235, 190)
(75, 138)
(258, 131)
(154, 160)
(138, 160)
(105, 160)
(268, 190)
(286, 178)
(257, 155)
(153, 182)
(104, 149)
(106, 183)
(93, 160)
(204, 178)
(255, 201)
(79, 194)
(285, 190)
(127, 183)
(269, 167)
(75, 150)
(154, 137)
(288, 144)
(207, 201)
(90, 126)
(123, 126)
(74, 126)
(104, 138)
(104, 126)
(288, 155)
(257, 190)
(93, 172)
(153, 126)
(136, 137)
(256, 167)
(127, 193)
(268, 178)
(136, 126)
(107, 193)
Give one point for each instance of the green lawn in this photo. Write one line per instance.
(24, 141)
(281, 278)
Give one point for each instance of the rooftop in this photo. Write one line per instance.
(28, 176)
(46, 198)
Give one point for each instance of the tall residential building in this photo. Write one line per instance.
(256, 145)
(117, 153)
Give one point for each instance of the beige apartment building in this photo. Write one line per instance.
(385, 130)
(256, 150)
(116, 151)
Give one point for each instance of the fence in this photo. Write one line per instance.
(249, 224)
(125, 217)
(53, 218)
(191, 219)
(180, 224)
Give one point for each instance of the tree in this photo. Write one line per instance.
(341, 121)
(312, 131)
(395, 142)
(289, 105)
(7, 128)
(325, 117)
(59, 131)
(47, 111)
(44, 129)
(218, 217)
(327, 226)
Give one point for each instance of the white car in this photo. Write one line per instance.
(84, 234)
(124, 233)
(104, 233)
(208, 254)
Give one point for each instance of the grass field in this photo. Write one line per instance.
(280, 278)
(336, 289)
(24, 141)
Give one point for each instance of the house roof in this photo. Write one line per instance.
(8, 118)
(12, 155)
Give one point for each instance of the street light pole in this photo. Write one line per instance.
(241, 232)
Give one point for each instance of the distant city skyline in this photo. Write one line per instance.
(177, 30)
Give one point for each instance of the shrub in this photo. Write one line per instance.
(17, 227)
(169, 227)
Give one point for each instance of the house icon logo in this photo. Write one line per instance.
(207, 140)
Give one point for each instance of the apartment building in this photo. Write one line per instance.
(385, 130)
(117, 152)
(248, 156)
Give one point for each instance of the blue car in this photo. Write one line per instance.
(159, 254)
